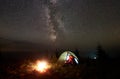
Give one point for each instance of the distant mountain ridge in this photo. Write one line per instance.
(11, 45)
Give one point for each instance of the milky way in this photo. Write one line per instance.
(54, 22)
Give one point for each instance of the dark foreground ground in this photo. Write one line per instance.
(88, 70)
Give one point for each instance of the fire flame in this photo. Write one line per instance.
(41, 66)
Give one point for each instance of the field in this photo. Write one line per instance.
(88, 70)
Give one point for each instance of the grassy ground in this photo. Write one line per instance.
(21, 70)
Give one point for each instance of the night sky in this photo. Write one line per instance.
(62, 23)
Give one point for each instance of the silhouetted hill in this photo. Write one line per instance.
(15, 45)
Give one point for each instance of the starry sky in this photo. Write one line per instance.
(62, 23)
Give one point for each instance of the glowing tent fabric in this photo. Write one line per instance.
(68, 57)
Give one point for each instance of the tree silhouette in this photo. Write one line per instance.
(57, 53)
(0, 56)
(77, 53)
(101, 62)
(101, 54)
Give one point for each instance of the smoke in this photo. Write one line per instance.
(54, 20)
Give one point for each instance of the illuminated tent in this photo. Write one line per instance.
(68, 57)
